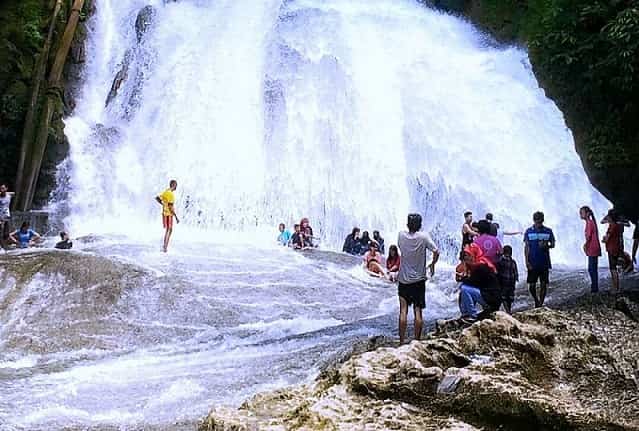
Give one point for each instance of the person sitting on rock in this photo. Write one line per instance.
(392, 263)
(377, 237)
(351, 243)
(373, 260)
(25, 236)
(480, 287)
(65, 243)
(364, 241)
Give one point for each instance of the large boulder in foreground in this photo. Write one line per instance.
(544, 370)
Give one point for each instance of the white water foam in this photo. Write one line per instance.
(349, 112)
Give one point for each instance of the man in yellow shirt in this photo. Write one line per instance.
(167, 200)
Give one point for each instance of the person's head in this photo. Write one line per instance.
(24, 226)
(538, 218)
(64, 236)
(297, 228)
(281, 227)
(393, 251)
(304, 223)
(373, 246)
(586, 213)
(365, 236)
(468, 217)
(507, 251)
(489, 217)
(173, 185)
(467, 258)
(414, 222)
(376, 235)
(355, 232)
(483, 226)
(612, 216)
(3, 189)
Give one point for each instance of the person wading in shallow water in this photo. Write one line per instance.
(538, 240)
(167, 200)
(413, 273)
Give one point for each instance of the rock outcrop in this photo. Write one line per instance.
(543, 370)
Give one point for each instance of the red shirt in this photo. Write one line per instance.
(614, 239)
(593, 248)
(390, 262)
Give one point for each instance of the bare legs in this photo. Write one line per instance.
(615, 279)
(167, 238)
(403, 314)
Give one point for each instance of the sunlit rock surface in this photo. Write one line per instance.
(542, 369)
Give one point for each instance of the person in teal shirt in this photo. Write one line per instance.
(284, 237)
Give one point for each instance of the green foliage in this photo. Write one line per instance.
(587, 55)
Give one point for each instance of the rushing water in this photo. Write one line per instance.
(349, 112)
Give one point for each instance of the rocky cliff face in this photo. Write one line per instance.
(543, 370)
(23, 26)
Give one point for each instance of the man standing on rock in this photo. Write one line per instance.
(5, 215)
(413, 273)
(538, 240)
(167, 200)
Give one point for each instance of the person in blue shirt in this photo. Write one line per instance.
(285, 236)
(25, 236)
(538, 240)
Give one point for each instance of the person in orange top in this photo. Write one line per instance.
(167, 200)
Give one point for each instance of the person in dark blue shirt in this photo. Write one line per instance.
(538, 240)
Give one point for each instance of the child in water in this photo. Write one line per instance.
(392, 263)
(373, 260)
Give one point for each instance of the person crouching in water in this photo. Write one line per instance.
(373, 260)
(297, 239)
(508, 275)
(25, 236)
(480, 287)
(392, 263)
(65, 242)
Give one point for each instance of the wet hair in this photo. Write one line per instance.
(304, 220)
(414, 222)
(376, 234)
(62, 235)
(467, 213)
(365, 236)
(507, 250)
(374, 244)
(295, 226)
(354, 231)
(282, 225)
(612, 215)
(538, 216)
(483, 226)
(391, 249)
(24, 225)
(172, 183)
(489, 216)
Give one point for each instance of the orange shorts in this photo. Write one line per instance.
(167, 221)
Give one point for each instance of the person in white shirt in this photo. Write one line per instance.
(413, 273)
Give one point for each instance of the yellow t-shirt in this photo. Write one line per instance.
(167, 198)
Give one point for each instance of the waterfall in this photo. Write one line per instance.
(347, 112)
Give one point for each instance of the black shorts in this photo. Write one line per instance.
(413, 293)
(538, 274)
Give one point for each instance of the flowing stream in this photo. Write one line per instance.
(349, 112)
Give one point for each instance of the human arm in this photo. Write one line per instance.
(158, 199)
(514, 232)
(551, 242)
(35, 237)
(172, 209)
(526, 253)
(12, 236)
(433, 262)
(469, 230)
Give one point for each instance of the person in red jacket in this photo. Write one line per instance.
(592, 248)
(614, 245)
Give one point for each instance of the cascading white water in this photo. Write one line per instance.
(349, 112)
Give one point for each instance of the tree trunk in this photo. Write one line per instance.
(32, 111)
(53, 95)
